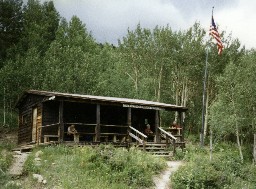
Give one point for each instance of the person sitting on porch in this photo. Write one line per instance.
(148, 130)
(149, 133)
(175, 125)
(72, 130)
(175, 128)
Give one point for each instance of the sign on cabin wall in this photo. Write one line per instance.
(142, 107)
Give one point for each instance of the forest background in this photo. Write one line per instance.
(41, 50)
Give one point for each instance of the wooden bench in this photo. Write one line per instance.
(113, 134)
(47, 137)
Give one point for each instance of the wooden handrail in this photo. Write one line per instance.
(88, 124)
(140, 133)
(54, 124)
(105, 125)
(136, 138)
(168, 134)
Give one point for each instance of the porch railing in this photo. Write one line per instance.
(168, 137)
(138, 136)
(89, 131)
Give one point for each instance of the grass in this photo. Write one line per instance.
(87, 167)
(5, 162)
(225, 170)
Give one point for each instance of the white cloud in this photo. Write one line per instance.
(240, 20)
(109, 19)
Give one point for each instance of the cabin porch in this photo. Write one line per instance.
(93, 122)
(44, 117)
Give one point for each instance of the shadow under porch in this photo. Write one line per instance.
(93, 122)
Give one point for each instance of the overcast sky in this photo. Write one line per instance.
(108, 20)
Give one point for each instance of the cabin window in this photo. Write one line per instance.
(24, 119)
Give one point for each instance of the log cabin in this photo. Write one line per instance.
(46, 116)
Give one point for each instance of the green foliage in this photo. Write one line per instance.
(11, 26)
(225, 170)
(237, 93)
(10, 120)
(70, 59)
(6, 156)
(179, 154)
(5, 162)
(160, 64)
(99, 167)
(199, 174)
(40, 25)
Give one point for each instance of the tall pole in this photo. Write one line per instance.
(204, 94)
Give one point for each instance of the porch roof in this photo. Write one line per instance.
(125, 102)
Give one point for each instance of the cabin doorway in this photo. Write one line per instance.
(34, 125)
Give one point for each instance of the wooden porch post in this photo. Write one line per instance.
(61, 126)
(40, 122)
(129, 122)
(97, 129)
(182, 125)
(157, 126)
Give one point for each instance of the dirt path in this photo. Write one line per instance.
(162, 181)
(17, 166)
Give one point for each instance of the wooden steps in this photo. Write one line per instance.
(157, 149)
(24, 148)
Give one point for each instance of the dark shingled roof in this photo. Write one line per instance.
(126, 102)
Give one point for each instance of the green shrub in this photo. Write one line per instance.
(193, 151)
(225, 170)
(5, 162)
(99, 167)
(10, 120)
(248, 173)
(5, 156)
(199, 174)
(179, 154)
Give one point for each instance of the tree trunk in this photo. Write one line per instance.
(184, 96)
(177, 102)
(238, 142)
(210, 145)
(237, 130)
(159, 84)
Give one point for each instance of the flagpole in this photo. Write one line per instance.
(204, 94)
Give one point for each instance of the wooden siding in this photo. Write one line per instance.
(50, 113)
(26, 117)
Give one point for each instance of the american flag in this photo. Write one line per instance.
(214, 32)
